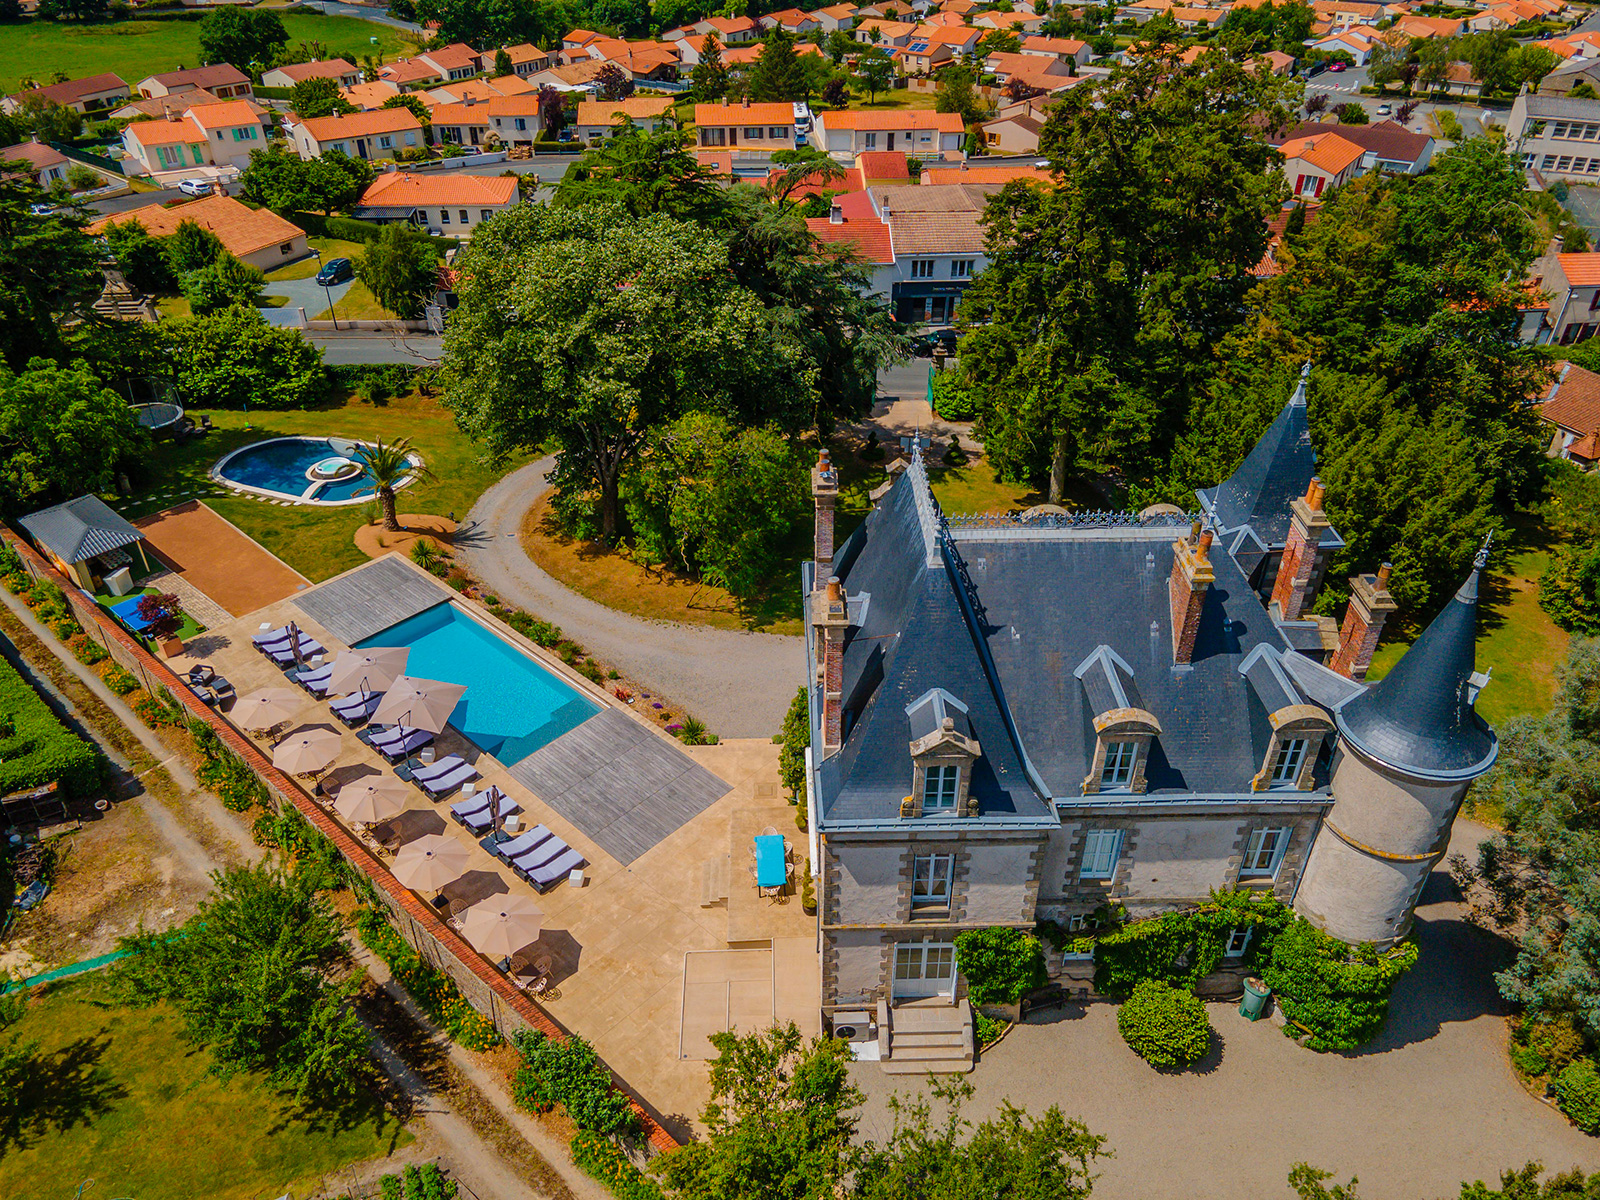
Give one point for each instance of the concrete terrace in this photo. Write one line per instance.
(621, 943)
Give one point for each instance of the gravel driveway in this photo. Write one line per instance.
(739, 684)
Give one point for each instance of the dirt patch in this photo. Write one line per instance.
(375, 541)
(214, 556)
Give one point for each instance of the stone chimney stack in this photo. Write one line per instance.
(825, 494)
(831, 617)
(1192, 576)
(1300, 553)
(1370, 605)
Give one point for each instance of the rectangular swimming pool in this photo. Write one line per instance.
(512, 706)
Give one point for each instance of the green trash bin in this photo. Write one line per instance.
(1255, 999)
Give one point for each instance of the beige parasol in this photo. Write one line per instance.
(502, 925)
(418, 703)
(265, 708)
(374, 798)
(429, 863)
(368, 670)
(306, 750)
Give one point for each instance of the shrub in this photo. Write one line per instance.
(1001, 965)
(987, 1030)
(38, 749)
(796, 738)
(432, 990)
(1164, 1025)
(389, 1188)
(591, 671)
(86, 650)
(599, 1158)
(952, 400)
(65, 629)
(1185, 947)
(119, 679)
(1578, 1094)
(1556, 1041)
(570, 1073)
(10, 560)
(1529, 1061)
(1337, 994)
(152, 712)
(16, 583)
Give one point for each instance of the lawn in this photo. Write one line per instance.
(331, 249)
(1518, 643)
(135, 49)
(317, 542)
(901, 98)
(357, 304)
(118, 1096)
(190, 627)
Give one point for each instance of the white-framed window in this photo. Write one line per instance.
(869, 141)
(780, 132)
(483, 214)
(714, 137)
(1118, 769)
(961, 268)
(444, 216)
(385, 142)
(1101, 849)
(522, 124)
(1238, 940)
(922, 268)
(1076, 922)
(939, 785)
(1287, 762)
(1263, 851)
(930, 880)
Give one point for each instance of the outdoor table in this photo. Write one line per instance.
(770, 870)
(128, 613)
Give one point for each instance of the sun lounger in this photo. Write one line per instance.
(314, 680)
(286, 658)
(437, 785)
(353, 710)
(522, 843)
(552, 848)
(553, 872)
(406, 743)
(434, 769)
(480, 818)
(271, 638)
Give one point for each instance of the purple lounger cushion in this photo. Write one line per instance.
(546, 877)
(439, 785)
(523, 843)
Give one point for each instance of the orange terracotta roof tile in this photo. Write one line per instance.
(901, 119)
(166, 133)
(404, 189)
(636, 108)
(1581, 270)
(329, 68)
(242, 230)
(1573, 400)
(1326, 151)
(220, 116)
(362, 124)
(744, 114)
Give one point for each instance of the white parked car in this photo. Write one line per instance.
(195, 187)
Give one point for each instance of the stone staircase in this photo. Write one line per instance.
(714, 874)
(929, 1035)
(121, 302)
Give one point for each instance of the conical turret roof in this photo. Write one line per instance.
(1273, 474)
(1420, 718)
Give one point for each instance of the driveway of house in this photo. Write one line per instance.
(302, 293)
(739, 684)
(1431, 1103)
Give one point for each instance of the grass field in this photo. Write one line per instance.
(357, 304)
(117, 1095)
(318, 542)
(135, 49)
(331, 249)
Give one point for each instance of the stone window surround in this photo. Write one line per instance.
(1295, 721)
(1134, 725)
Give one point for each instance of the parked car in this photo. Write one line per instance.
(195, 187)
(1336, 67)
(336, 270)
(1385, 109)
(42, 210)
(922, 344)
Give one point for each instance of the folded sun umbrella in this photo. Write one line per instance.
(429, 863)
(306, 750)
(418, 703)
(268, 707)
(368, 670)
(376, 798)
(502, 925)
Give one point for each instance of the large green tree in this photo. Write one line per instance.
(401, 269)
(284, 182)
(777, 74)
(644, 173)
(245, 37)
(253, 975)
(234, 359)
(709, 79)
(1106, 293)
(589, 328)
(222, 283)
(49, 272)
(62, 433)
(316, 97)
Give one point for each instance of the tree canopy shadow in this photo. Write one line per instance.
(57, 1090)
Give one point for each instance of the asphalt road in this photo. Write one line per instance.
(381, 16)
(348, 350)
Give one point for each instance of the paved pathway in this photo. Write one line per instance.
(739, 684)
(303, 293)
(1430, 1103)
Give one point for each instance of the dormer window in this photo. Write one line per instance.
(1124, 729)
(1118, 769)
(943, 751)
(939, 788)
(1298, 729)
(1287, 762)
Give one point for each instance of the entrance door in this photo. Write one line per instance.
(361, 147)
(924, 969)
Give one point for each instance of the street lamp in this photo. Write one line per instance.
(327, 290)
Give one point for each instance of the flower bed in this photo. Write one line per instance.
(432, 990)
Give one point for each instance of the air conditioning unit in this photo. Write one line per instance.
(855, 1026)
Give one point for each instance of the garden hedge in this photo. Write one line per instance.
(1578, 1094)
(36, 749)
(1164, 1025)
(1336, 993)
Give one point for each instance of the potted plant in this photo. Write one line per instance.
(162, 614)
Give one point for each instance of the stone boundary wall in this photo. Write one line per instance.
(489, 992)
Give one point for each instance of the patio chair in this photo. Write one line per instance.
(480, 820)
(438, 784)
(523, 844)
(531, 977)
(314, 680)
(354, 710)
(201, 673)
(205, 693)
(405, 743)
(223, 689)
(542, 879)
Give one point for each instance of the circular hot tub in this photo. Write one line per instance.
(330, 470)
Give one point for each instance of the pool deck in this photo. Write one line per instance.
(619, 943)
(214, 556)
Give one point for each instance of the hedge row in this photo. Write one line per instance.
(349, 229)
(36, 749)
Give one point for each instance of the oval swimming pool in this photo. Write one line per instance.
(303, 469)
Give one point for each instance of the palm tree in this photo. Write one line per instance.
(388, 467)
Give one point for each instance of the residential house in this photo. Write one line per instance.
(515, 120)
(1066, 50)
(1558, 136)
(367, 96)
(792, 20)
(938, 242)
(1019, 23)
(467, 124)
(1275, 61)
(168, 108)
(638, 60)
(758, 127)
(1198, 18)
(597, 118)
(1357, 43)
(382, 133)
(979, 171)
(747, 55)
(447, 205)
(730, 30)
(853, 222)
(1344, 14)
(838, 16)
(692, 47)
(257, 236)
(455, 61)
(961, 39)
(1562, 47)
(1572, 408)
(1277, 229)
(1388, 145)
(1430, 27)
(45, 164)
(91, 94)
(407, 73)
(1048, 74)
(220, 79)
(577, 39)
(1319, 161)
(235, 128)
(888, 35)
(987, 752)
(1459, 81)
(1569, 75)
(573, 77)
(474, 90)
(1017, 133)
(1571, 284)
(922, 57)
(286, 76)
(1143, 10)
(160, 147)
(919, 132)
(526, 58)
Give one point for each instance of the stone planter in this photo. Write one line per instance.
(172, 647)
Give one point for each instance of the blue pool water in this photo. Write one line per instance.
(512, 707)
(280, 466)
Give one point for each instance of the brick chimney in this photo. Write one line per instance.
(1300, 552)
(1370, 605)
(1192, 575)
(825, 494)
(831, 617)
